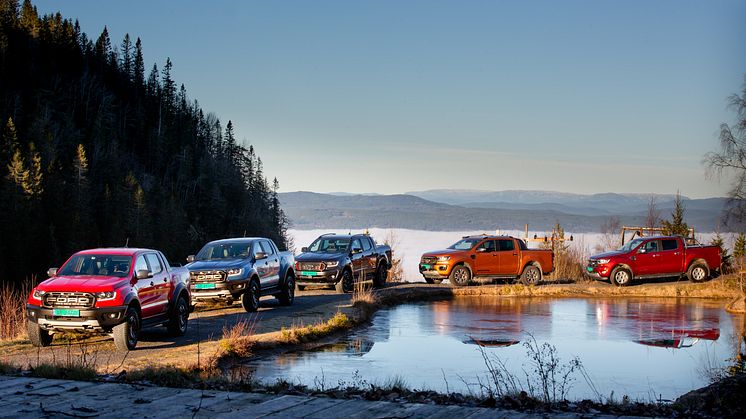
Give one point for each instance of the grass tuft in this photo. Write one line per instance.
(301, 334)
(75, 372)
(237, 340)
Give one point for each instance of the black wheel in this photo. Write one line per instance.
(287, 295)
(250, 298)
(345, 284)
(125, 334)
(228, 302)
(38, 336)
(621, 277)
(381, 274)
(428, 280)
(698, 272)
(460, 276)
(531, 275)
(177, 324)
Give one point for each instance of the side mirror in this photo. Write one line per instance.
(642, 250)
(144, 274)
(260, 255)
(303, 249)
(51, 272)
(356, 250)
(190, 258)
(481, 250)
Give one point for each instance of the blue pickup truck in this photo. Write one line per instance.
(242, 269)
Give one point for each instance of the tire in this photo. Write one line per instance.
(381, 274)
(345, 284)
(429, 280)
(177, 325)
(287, 295)
(250, 298)
(621, 277)
(125, 334)
(460, 276)
(531, 275)
(38, 336)
(698, 272)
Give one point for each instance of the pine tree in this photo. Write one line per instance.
(168, 87)
(17, 172)
(29, 18)
(103, 45)
(126, 63)
(676, 226)
(739, 250)
(726, 262)
(34, 188)
(139, 66)
(9, 142)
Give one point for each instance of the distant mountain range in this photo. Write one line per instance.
(447, 210)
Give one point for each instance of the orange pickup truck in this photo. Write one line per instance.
(490, 257)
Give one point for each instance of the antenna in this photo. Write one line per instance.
(127, 242)
(244, 233)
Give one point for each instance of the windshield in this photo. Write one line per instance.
(225, 250)
(97, 265)
(630, 245)
(329, 245)
(464, 244)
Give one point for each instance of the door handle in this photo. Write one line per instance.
(151, 283)
(275, 260)
(515, 254)
(165, 279)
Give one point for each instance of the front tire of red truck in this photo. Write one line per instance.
(620, 276)
(125, 334)
(460, 276)
(38, 336)
(698, 272)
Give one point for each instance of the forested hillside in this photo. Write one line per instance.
(94, 152)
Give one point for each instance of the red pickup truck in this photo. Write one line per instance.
(655, 257)
(490, 257)
(114, 291)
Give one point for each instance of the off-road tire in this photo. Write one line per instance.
(460, 276)
(346, 283)
(621, 277)
(531, 275)
(698, 272)
(381, 274)
(287, 295)
(126, 333)
(38, 336)
(179, 319)
(250, 298)
(428, 280)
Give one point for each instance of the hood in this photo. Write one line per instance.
(205, 265)
(444, 252)
(82, 283)
(319, 257)
(607, 255)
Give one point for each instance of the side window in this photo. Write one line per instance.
(163, 259)
(140, 264)
(488, 246)
(268, 249)
(506, 245)
(651, 246)
(670, 244)
(356, 244)
(155, 264)
(366, 244)
(256, 248)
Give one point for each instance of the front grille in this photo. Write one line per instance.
(592, 263)
(312, 266)
(207, 276)
(429, 260)
(69, 299)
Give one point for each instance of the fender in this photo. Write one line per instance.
(180, 288)
(130, 298)
(622, 265)
(532, 263)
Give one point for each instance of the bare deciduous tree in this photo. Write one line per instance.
(653, 218)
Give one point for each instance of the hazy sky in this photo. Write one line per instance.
(393, 96)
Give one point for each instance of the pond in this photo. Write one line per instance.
(647, 349)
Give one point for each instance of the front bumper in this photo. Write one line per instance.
(328, 277)
(94, 319)
(223, 290)
(599, 273)
(436, 271)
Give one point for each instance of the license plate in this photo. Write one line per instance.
(424, 266)
(205, 286)
(589, 269)
(66, 312)
(308, 273)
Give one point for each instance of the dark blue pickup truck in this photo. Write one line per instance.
(244, 268)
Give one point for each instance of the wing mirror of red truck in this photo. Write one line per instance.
(144, 274)
(190, 258)
(51, 272)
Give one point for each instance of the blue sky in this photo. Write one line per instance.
(393, 96)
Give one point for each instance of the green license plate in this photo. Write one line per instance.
(426, 266)
(589, 269)
(66, 312)
(308, 273)
(205, 286)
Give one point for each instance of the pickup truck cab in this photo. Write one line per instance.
(341, 260)
(655, 257)
(242, 269)
(114, 291)
(489, 257)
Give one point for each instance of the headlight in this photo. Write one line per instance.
(105, 295)
(235, 271)
(331, 264)
(602, 261)
(444, 258)
(38, 295)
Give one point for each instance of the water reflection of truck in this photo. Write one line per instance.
(671, 325)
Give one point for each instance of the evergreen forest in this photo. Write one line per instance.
(95, 152)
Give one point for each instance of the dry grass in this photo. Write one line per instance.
(396, 273)
(237, 339)
(13, 310)
(300, 334)
(569, 261)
